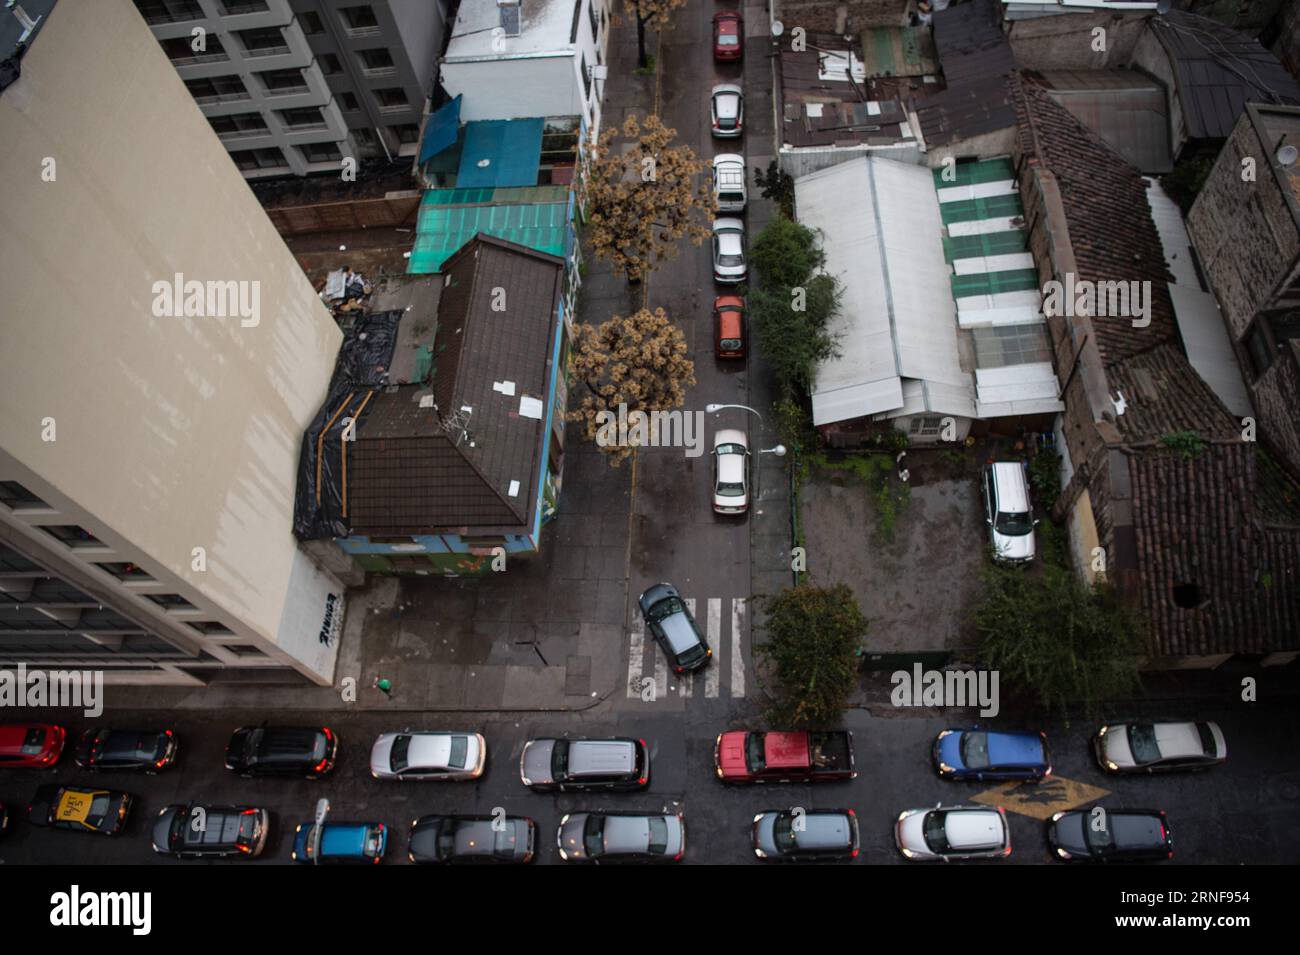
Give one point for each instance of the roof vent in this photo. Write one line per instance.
(509, 10)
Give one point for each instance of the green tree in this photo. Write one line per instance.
(812, 635)
(778, 185)
(1051, 636)
(794, 339)
(785, 254)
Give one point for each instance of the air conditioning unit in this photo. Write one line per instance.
(509, 11)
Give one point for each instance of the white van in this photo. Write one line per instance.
(729, 182)
(1008, 511)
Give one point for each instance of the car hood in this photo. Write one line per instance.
(1068, 832)
(381, 754)
(570, 836)
(948, 750)
(910, 833)
(1115, 746)
(535, 763)
(731, 753)
(765, 834)
(1014, 547)
(162, 828)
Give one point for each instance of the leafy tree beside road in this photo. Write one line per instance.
(649, 13)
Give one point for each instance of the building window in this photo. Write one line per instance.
(181, 53)
(329, 64)
(243, 650)
(406, 132)
(591, 16)
(311, 23)
(359, 19)
(18, 497)
(283, 81)
(586, 79)
(233, 8)
(125, 571)
(171, 601)
(927, 426)
(73, 535)
(169, 11)
(217, 89)
(210, 628)
(238, 124)
(376, 60)
(308, 117)
(264, 41)
(391, 97)
(250, 160)
(320, 152)
(348, 102)
(1258, 348)
(364, 135)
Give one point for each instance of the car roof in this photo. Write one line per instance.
(973, 828)
(430, 749)
(728, 159)
(1013, 491)
(825, 830)
(598, 756)
(681, 635)
(345, 838)
(1014, 748)
(1178, 739)
(13, 734)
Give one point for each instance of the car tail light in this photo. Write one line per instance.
(853, 854)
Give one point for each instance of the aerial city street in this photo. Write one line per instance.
(721, 432)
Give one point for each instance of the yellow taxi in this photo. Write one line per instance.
(81, 810)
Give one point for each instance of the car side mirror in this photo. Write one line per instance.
(1035, 522)
(988, 521)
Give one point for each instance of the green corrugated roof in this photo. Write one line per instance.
(443, 228)
(968, 173)
(989, 207)
(485, 195)
(987, 243)
(991, 283)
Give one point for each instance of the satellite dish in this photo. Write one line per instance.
(1287, 155)
(777, 28)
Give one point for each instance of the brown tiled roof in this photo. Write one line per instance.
(406, 474)
(1163, 394)
(1196, 526)
(1109, 220)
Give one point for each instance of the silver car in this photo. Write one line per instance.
(613, 765)
(728, 251)
(730, 472)
(1159, 747)
(727, 106)
(621, 837)
(428, 755)
(953, 832)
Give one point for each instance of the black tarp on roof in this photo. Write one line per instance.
(976, 59)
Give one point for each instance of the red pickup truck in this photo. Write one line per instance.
(749, 756)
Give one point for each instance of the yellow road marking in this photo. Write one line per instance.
(1041, 800)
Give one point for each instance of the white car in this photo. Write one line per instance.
(1008, 511)
(953, 832)
(730, 472)
(729, 192)
(1159, 747)
(428, 755)
(727, 106)
(728, 251)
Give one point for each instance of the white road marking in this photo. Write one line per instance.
(712, 674)
(687, 686)
(635, 651)
(737, 647)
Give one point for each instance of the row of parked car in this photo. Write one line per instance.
(611, 765)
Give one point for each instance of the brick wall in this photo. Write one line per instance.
(1065, 42)
(822, 16)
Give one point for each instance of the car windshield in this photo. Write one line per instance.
(459, 752)
(783, 832)
(730, 260)
(593, 836)
(658, 835)
(1014, 523)
(666, 608)
(731, 490)
(727, 39)
(98, 809)
(1101, 838)
(1208, 746)
(730, 343)
(398, 759)
(374, 839)
(693, 655)
(560, 759)
(936, 835)
(975, 750)
(1142, 741)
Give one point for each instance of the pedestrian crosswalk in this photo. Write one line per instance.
(650, 678)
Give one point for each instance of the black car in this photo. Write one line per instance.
(674, 629)
(211, 832)
(104, 749)
(472, 839)
(1110, 835)
(282, 751)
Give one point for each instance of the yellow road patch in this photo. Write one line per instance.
(1041, 800)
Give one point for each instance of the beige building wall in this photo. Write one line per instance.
(174, 433)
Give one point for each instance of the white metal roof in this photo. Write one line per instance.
(882, 235)
(545, 27)
(1199, 320)
(1017, 390)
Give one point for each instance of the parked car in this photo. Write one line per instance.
(472, 839)
(814, 835)
(1159, 747)
(749, 756)
(991, 754)
(621, 837)
(728, 251)
(211, 832)
(428, 755)
(102, 811)
(953, 832)
(728, 36)
(730, 472)
(727, 110)
(612, 765)
(1008, 511)
(106, 749)
(282, 751)
(729, 190)
(341, 843)
(1111, 835)
(673, 628)
(30, 745)
(729, 326)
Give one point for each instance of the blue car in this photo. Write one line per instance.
(341, 843)
(978, 753)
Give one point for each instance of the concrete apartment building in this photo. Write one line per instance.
(293, 86)
(147, 460)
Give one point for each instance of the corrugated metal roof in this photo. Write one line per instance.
(444, 227)
(975, 56)
(501, 152)
(1218, 70)
(1128, 110)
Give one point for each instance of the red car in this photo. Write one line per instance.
(729, 326)
(30, 745)
(728, 36)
